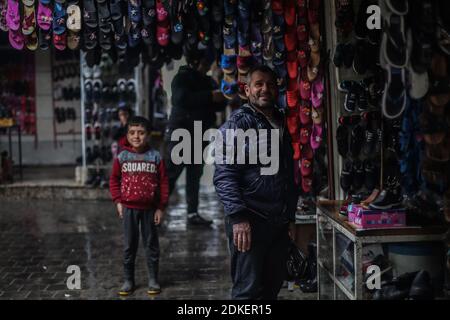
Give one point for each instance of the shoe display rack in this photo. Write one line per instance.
(66, 94)
(344, 252)
(104, 89)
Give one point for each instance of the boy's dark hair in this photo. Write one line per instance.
(263, 69)
(139, 121)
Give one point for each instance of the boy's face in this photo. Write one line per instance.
(137, 136)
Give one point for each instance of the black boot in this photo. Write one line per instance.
(128, 284)
(197, 220)
(390, 197)
(153, 284)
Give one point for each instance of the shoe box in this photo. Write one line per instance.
(376, 219)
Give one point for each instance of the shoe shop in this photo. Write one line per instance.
(354, 93)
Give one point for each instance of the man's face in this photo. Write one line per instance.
(262, 90)
(137, 136)
(123, 117)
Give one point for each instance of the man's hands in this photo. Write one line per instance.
(242, 236)
(159, 214)
(119, 210)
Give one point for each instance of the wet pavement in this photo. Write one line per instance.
(40, 239)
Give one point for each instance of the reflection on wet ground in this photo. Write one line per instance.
(40, 239)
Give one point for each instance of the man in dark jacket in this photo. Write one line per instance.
(259, 209)
(195, 97)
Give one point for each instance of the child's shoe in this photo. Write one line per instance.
(153, 286)
(127, 288)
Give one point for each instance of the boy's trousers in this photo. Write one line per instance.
(133, 219)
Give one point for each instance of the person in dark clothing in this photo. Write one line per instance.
(195, 97)
(259, 209)
(124, 113)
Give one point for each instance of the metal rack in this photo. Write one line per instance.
(330, 224)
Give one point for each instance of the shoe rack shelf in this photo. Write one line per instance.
(332, 283)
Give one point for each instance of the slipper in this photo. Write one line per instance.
(228, 64)
(278, 29)
(302, 31)
(399, 7)
(16, 39)
(256, 41)
(306, 167)
(3, 10)
(31, 41)
(419, 83)
(307, 186)
(268, 47)
(316, 136)
(292, 68)
(297, 150)
(74, 18)
(115, 7)
(289, 12)
(292, 123)
(317, 115)
(290, 39)
(120, 37)
(317, 89)
(59, 41)
(45, 38)
(305, 88)
(217, 11)
(307, 152)
(177, 33)
(440, 81)
(90, 13)
(433, 128)
(134, 11)
(279, 56)
(292, 98)
(134, 35)
(394, 97)
(303, 56)
(244, 64)
(202, 7)
(305, 135)
(305, 114)
(161, 11)
(148, 37)
(29, 20)
(44, 16)
(73, 40)
(105, 40)
(104, 16)
(277, 7)
(229, 89)
(59, 19)
(229, 36)
(394, 45)
(90, 38)
(163, 35)
(439, 152)
(13, 16)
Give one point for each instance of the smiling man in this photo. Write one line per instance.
(258, 208)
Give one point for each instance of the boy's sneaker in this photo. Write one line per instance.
(127, 288)
(196, 219)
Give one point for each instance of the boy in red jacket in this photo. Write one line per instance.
(140, 189)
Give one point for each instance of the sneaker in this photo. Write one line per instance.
(389, 198)
(370, 141)
(358, 175)
(357, 140)
(196, 219)
(347, 176)
(370, 175)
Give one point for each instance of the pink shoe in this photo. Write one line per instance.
(13, 15)
(316, 136)
(16, 39)
(317, 89)
(44, 17)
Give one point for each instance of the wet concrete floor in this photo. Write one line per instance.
(40, 239)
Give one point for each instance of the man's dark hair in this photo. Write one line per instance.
(193, 57)
(139, 121)
(263, 69)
